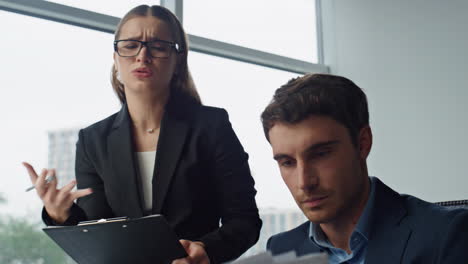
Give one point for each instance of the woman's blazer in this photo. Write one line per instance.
(201, 176)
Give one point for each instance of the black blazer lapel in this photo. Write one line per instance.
(174, 130)
(389, 235)
(121, 156)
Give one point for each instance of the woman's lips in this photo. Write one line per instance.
(142, 73)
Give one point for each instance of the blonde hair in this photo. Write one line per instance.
(182, 81)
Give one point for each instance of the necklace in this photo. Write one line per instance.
(151, 130)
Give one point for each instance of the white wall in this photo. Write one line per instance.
(411, 58)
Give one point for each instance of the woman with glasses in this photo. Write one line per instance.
(162, 153)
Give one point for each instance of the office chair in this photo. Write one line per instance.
(454, 204)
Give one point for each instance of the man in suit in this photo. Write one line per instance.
(318, 128)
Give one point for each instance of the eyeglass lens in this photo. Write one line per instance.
(131, 48)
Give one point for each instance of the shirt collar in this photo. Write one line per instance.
(364, 224)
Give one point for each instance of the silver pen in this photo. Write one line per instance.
(48, 179)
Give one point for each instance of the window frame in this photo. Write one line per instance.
(106, 23)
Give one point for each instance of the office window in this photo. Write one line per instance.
(55, 80)
(244, 90)
(114, 8)
(282, 221)
(54, 77)
(279, 27)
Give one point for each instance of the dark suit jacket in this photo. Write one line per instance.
(404, 229)
(201, 176)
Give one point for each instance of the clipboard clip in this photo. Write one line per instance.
(103, 221)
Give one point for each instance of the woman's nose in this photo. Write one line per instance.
(144, 55)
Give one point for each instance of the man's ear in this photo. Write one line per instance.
(365, 142)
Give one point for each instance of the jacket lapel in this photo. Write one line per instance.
(389, 236)
(307, 245)
(121, 156)
(174, 130)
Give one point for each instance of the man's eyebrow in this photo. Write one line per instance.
(309, 149)
(280, 156)
(322, 145)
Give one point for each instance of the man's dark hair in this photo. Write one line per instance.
(318, 94)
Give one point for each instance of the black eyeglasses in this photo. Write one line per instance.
(156, 48)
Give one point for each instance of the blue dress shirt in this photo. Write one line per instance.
(358, 240)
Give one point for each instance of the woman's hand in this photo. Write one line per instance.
(57, 202)
(196, 253)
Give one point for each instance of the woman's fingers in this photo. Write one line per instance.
(81, 193)
(64, 197)
(56, 201)
(40, 181)
(41, 187)
(195, 251)
(181, 261)
(64, 193)
(49, 190)
(32, 173)
(67, 188)
(51, 180)
(185, 243)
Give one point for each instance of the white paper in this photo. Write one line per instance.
(261, 258)
(285, 258)
(317, 258)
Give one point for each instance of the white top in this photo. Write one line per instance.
(146, 167)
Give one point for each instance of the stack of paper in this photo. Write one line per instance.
(286, 258)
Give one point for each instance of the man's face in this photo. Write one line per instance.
(322, 168)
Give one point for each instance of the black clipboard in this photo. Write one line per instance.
(149, 239)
